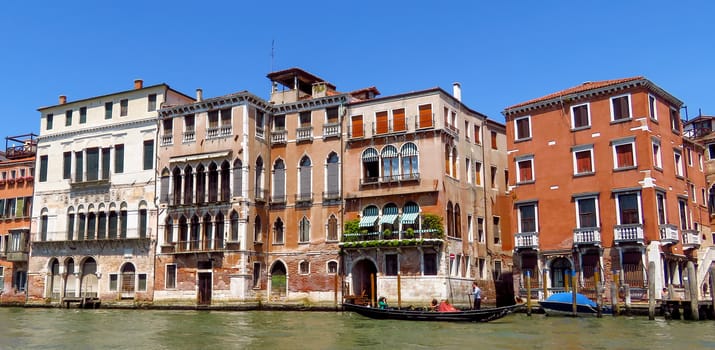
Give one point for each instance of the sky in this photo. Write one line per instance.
(501, 52)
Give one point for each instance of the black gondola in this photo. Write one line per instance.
(483, 315)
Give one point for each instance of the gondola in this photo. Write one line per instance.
(483, 315)
(561, 304)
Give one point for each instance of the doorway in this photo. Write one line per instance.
(205, 288)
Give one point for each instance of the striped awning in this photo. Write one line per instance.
(409, 149)
(388, 219)
(409, 218)
(389, 152)
(370, 155)
(368, 221)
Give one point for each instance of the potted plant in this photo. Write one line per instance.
(387, 233)
(410, 232)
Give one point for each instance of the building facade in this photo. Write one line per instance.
(17, 170)
(95, 214)
(604, 182)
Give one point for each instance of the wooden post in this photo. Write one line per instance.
(373, 300)
(651, 290)
(712, 288)
(599, 295)
(574, 305)
(614, 294)
(566, 281)
(335, 297)
(693, 286)
(543, 282)
(627, 296)
(528, 292)
(399, 292)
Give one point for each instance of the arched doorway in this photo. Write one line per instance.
(278, 280)
(127, 273)
(560, 268)
(364, 274)
(89, 285)
(55, 280)
(71, 282)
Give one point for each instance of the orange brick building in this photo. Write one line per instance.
(17, 170)
(604, 181)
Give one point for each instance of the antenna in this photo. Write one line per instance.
(273, 55)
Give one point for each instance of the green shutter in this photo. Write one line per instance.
(20, 207)
(118, 159)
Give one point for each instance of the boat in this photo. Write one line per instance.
(483, 315)
(562, 304)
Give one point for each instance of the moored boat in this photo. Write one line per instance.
(562, 304)
(483, 315)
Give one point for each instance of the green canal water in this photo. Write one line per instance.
(30, 328)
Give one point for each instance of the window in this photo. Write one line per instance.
(580, 116)
(652, 110)
(587, 213)
(391, 266)
(2, 273)
(527, 218)
(332, 115)
(43, 168)
(497, 270)
(480, 230)
(50, 118)
(583, 160)
(470, 228)
(304, 267)
(119, 159)
(333, 228)
(151, 106)
(390, 164)
(66, 165)
(494, 139)
(425, 112)
(623, 154)
(92, 164)
(469, 170)
(628, 208)
(678, 163)
(497, 230)
(278, 236)
(108, 110)
(481, 264)
(356, 126)
(525, 169)
(430, 264)
(304, 176)
(693, 194)
(683, 212)
(621, 107)
(256, 275)
(410, 161)
(674, 121)
(522, 128)
(381, 123)
(477, 134)
(660, 206)
(304, 228)
(113, 282)
(82, 115)
(467, 130)
(657, 157)
(370, 165)
(689, 156)
(68, 118)
(141, 282)
(478, 173)
(105, 163)
(279, 123)
(148, 154)
(700, 162)
(123, 107)
(143, 221)
(234, 226)
(78, 166)
(494, 176)
(332, 267)
(279, 179)
(20, 281)
(398, 120)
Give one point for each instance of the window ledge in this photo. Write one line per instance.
(523, 140)
(618, 121)
(658, 168)
(586, 127)
(625, 168)
(590, 173)
(654, 120)
(525, 182)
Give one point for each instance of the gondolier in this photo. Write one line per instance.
(477, 294)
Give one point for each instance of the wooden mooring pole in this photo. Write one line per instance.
(399, 292)
(651, 290)
(614, 293)
(599, 294)
(373, 298)
(693, 286)
(712, 289)
(574, 305)
(528, 292)
(335, 297)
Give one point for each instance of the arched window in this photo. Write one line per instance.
(332, 267)
(169, 229)
(390, 164)
(238, 178)
(304, 228)
(55, 280)
(305, 192)
(123, 220)
(278, 232)
(143, 220)
(113, 224)
(128, 278)
(454, 157)
(44, 222)
(304, 267)
(188, 185)
(447, 160)
(450, 219)
(333, 228)
(218, 231)
(369, 218)
(259, 190)
(194, 232)
(333, 179)
(388, 220)
(207, 233)
(213, 182)
(457, 221)
(176, 193)
(225, 181)
(81, 223)
(70, 224)
(410, 161)
(164, 183)
(102, 224)
(370, 166)
(200, 184)
(279, 180)
(257, 230)
(91, 225)
(410, 216)
(183, 234)
(234, 226)
(89, 284)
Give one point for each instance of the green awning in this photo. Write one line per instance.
(388, 219)
(368, 221)
(409, 218)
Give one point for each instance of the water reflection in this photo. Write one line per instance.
(131, 329)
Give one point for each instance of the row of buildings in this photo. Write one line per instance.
(150, 195)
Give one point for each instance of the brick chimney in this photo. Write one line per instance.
(138, 84)
(63, 99)
(199, 95)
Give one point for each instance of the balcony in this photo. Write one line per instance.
(331, 130)
(279, 137)
(225, 131)
(260, 133)
(526, 240)
(394, 236)
(668, 234)
(86, 182)
(278, 199)
(261, 195)
(630, 233)
(388, 179)
(190, 136)
(212, 132)
(304, 134)
(303, 198)
(167, 139)
(201, 245)
(17, 256)
(587, 236)
(691, 239)
(331, 196)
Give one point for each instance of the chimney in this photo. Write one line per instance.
(457, 91)
(199, 95)
(63, 99)
(138, 84)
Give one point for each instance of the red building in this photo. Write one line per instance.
(604, 181)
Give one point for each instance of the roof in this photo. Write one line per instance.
(305, 80)
(163, 85)
(590, 88)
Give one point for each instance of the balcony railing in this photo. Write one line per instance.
(390, 178)
(189, 136)
(167, 139)
(587, 235)
(261, 195)
(225, 130)
(668, 234)
(278, 136)
(303, 197)
(304, 134)
(331, 130)
(628, 233)
(201, 245)
(212, 132)
(278, 198)
(17, 256)
(526, 240)
(691, 239)
(260, 133)
(394, 235)
(331, 196)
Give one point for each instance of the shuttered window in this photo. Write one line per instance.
(43, 168)
(92, 164)
(78, 166)
(105, 163)
(583, 162)
(118, 159)
(624, 155)
(620, 107)
(398, 120)
(148, 154)
(357, 126)
(425, 116)
(333, 175)
(526, 170)
(279, 181)
(381, 122)
(305, 166)
(67, 165)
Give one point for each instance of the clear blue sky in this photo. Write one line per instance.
(502, 52)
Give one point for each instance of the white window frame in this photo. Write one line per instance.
(657, 154)
(166, 274)
(693, 193)
(588, 148)
(327, 267)
(617, 143)
(630, 108)
(578, 211)
(469, 171)
(470, 228)
(653, 108)
(479, 180)
(516, 128)
(519, 160)
(678, 159)
(660, 199)
(481, 238)
(618, 207)
(689, 152)
(700, 161)
(300, 269)
(536, 216)
(588, 116)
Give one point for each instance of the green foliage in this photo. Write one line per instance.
(387, 233)
(433, 222)
(410, 232)
(352, 226)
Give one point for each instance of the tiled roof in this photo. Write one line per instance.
(578, 88)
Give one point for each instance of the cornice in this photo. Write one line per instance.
(214, 103)
(301, 106)
(101, 128)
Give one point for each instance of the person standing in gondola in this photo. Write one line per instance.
(477, 294)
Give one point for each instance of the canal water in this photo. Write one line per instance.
(32, 328)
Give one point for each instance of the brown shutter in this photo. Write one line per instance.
(357, 126)
(425, 116)
(398, 120)
(381, 122)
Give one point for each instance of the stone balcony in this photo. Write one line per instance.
(668, 234)
(587, 236)
(630, 233)
(691, 239)
(526, 240)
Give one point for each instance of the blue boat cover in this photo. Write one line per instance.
(568, 298)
